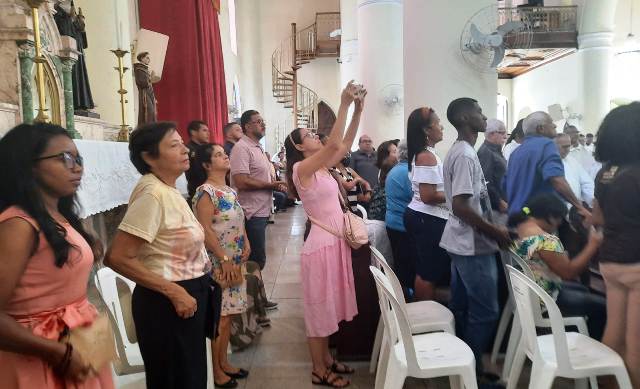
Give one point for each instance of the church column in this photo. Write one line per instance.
(26, 52)
(380, 67)
(349, 68)
(595, 41)
(434, 71)
(67, 67)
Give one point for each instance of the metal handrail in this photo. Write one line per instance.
(543, 19)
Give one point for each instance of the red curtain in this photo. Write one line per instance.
(192, 85)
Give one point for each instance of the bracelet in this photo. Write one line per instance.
(61, 367)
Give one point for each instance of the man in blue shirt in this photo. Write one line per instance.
(536, 167)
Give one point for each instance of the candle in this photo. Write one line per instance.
(120, 36)
(117, 34)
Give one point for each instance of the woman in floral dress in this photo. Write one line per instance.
(552, 268)
(217, 208)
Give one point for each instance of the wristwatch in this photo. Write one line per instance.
(225, 259)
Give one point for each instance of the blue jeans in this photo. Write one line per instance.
(474, 300)
(256, 228)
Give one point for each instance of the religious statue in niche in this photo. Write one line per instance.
(147, 112)
(72, 24)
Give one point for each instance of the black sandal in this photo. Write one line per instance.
(327, 380)
(241, 374)
(341, 368)
(232, 383)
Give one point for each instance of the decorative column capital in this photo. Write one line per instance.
(35, 3)
(67, 63)
(595, 40)
(26, 49)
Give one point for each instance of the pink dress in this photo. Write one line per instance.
(329, 295)
(46, 299)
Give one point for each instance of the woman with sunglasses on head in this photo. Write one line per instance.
(160, 246)
(216, 207)
(45, 260)
(326, 271)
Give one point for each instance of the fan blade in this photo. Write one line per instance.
(498, 56)
(511, 26)
(478, 37)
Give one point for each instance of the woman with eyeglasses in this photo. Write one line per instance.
(160, 246)
(326, 269)
(45, 259)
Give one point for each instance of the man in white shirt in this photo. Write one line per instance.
(579, 180)
(589, 145)
(581, 155)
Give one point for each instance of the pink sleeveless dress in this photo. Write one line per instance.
(329, 295)
(46, 299)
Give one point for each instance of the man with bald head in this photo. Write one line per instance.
(536, 167)
(363, 161)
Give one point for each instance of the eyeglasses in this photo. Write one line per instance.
(70, 160)
(311, 135)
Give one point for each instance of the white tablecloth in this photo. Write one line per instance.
(109, 176)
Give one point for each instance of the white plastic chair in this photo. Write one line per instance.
(505, 318)
(436, 354)
(540, 321)
(363, 211)
(129, 357)
(560, 354)
(424, 316)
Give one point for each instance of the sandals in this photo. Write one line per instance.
(341, 368)
(241, 374)
(329, 379)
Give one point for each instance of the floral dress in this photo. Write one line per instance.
(528, 248)
(228, 223)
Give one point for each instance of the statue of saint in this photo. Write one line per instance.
(72, 24)
(147, 100)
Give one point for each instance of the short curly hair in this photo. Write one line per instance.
(618, 139)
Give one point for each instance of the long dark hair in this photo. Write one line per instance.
(203, 155)
(417, 124)
(543, 206)
(18, 150)
(293, 156)
(619, 136)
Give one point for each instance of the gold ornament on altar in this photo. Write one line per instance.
(123, 134)
(39, 60)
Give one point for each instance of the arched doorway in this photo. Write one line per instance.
(326, 118)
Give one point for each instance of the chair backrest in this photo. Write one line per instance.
(519, 262)
(527, 295)
(115, 298)
(382, 264)
(396, 322)
(363, 211)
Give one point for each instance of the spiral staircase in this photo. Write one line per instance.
(294, 52)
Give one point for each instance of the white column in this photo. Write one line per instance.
(595, 42)
(434, 71)
(380, 63)
(349, 68)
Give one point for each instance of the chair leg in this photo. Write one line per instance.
(516, 368)
(375, 353)
(541, 377)
(507, 313)
(383, 362)
(396, 375)
(582, 383)
(512, 347)
(455, 382)
(468, 377)
(622, 376)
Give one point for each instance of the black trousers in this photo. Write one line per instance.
(174, 349)
(404, 258)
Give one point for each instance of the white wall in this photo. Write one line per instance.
(505, 88)
(559, 82)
